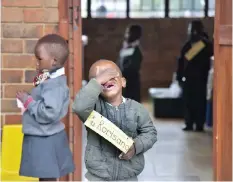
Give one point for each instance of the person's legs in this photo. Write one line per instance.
(187, 97)
(211, 113)
(132, 90)
(187, 117)
(136, 94)
(200, 111)
(207, 113)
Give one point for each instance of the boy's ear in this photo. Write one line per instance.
(55, 62)
(123, 81)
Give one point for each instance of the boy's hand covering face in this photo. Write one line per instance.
(109, 76)
(129, 154)
(104, 76)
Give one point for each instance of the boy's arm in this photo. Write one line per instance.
(48, 109)
(147, 133)
(86, 99)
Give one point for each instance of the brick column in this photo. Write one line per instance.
(23, 22)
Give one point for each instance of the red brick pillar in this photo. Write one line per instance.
(23, 22)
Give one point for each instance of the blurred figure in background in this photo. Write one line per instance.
(101, 11)
(209, 112)
(192, 74)
(129, 61)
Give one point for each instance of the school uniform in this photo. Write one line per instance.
(129, 62)
(45, 151)
(192, 73)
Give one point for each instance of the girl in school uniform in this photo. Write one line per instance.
(45, 153)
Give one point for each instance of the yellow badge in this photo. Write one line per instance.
(109, 131)
(196, 48)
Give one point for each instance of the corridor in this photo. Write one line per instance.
(177, 156)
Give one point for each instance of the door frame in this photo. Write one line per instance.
(70, 27)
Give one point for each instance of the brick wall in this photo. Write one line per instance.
(23, 22)
(161, 44)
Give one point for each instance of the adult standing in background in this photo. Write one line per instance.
(193, 68)
(130, 59)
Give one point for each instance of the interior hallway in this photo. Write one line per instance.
(177, 155)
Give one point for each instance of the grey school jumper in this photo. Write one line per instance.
(45, 151)
(50, 105)
(101, 157)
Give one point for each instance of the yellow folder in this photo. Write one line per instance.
(196, 48)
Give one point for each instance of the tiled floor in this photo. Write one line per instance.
(177, 155)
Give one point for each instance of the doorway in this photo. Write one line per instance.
(222, 138)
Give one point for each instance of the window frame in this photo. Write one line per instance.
(167, 10)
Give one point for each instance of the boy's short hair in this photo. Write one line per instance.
(102, 62)
(56, 46)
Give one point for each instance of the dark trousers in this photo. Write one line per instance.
(195, 102)
(132, 90)
(209, 113)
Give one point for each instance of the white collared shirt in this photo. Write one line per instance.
(58, 73)
(123, 101)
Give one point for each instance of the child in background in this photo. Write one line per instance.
(103, 94)
(45, 153)
(129, 62)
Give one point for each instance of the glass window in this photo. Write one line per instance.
(211, 8)
(186, 5)
(186, 8)
(84, 8)
(108, 8)
(147, 8)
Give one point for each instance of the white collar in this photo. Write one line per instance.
(132, 44)
(58, 73)
(123, 101)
